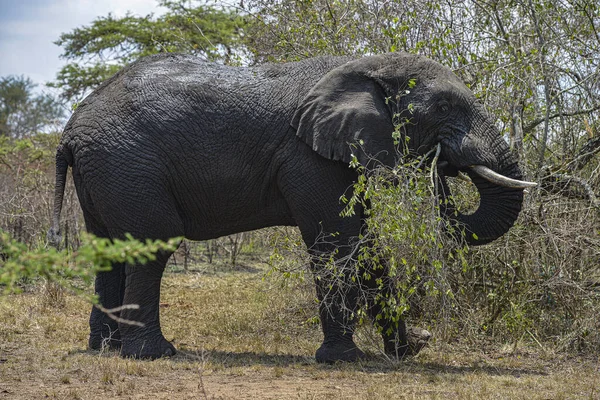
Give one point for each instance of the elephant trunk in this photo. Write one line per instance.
(499, 207)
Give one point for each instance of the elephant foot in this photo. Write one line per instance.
(416, 340)
(330, 353)
(147, 347)
(106, 337)
(100, 342)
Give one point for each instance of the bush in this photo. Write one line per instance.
(68, 269)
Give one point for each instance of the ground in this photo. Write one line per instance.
(242, 335)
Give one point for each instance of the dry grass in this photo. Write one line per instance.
(241, 336)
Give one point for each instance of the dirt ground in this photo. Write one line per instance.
(239, 338)
(83, 375)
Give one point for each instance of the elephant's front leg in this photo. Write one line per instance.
(338, 304)
(398, 339)
(143, 289)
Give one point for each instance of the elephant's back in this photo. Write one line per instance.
(181, 104)
(154, 86)
(168, 77)
(160, 92)
(165, 88)
(184, 73)
(156, 96)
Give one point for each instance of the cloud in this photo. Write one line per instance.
(28, 29)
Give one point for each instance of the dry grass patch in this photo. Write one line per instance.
(242, 336)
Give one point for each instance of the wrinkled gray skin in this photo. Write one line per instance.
(174, 146)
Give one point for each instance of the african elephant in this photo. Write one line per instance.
(174, 146)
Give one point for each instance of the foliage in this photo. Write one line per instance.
(282, 30)
(26, 188)
(97, 51)
(22, 112)
(542, 280)
(17, 262)
(409, 249)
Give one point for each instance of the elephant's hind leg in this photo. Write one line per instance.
(147, 215)
(143, 289)
(144, 338)
(109, 287)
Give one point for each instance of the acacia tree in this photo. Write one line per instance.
(97, 51)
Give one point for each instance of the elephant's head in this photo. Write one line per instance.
(353, 110)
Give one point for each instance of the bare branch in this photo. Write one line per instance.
(531, 126)
(586, 154)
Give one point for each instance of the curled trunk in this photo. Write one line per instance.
(498, 209)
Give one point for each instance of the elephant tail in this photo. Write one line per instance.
(63, 160)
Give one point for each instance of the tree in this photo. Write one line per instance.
(286, 30)
(22, 113)
(98, 51)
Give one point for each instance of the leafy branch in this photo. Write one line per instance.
(18, 263)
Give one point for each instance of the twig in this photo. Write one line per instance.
(582, 183)
(111, 312)
(200, 376)
(436, 149)
(537, 341)
(528, 128)
(434, 163)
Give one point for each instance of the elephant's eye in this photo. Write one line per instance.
(444, 108)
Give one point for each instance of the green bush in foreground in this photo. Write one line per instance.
(18, 263)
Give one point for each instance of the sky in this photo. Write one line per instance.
(28, 29)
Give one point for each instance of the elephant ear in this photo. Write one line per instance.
(346, 114)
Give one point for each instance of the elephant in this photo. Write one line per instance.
(174, 146)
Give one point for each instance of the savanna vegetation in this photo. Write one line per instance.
(517, 318)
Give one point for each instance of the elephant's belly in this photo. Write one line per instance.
(225, 222)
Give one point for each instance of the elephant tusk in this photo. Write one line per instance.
(499, 179)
